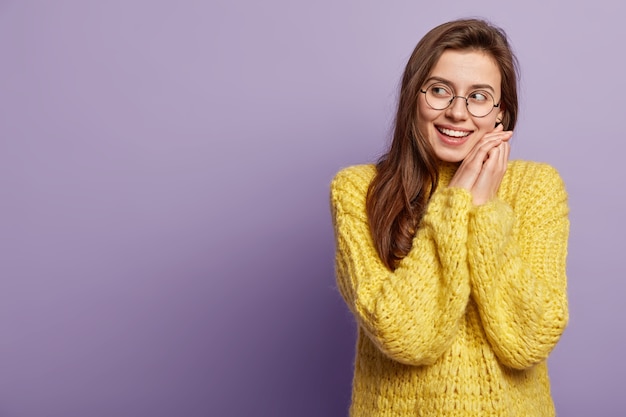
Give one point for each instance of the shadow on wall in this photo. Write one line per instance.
(285, 340)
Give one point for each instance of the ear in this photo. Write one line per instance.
(500, 116)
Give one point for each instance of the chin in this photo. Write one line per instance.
(450, 157)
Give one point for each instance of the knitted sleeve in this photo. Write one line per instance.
(517, 268)
(411, 314)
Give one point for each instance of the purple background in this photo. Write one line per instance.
(166, 247)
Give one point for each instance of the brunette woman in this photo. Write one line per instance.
(450, 256)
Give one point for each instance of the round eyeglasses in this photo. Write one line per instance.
(479, 103)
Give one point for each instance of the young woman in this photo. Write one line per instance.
(450, 256)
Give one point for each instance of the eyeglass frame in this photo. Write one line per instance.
(454, 97)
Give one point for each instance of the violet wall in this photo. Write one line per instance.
(166, 247)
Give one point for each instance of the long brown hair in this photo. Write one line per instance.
(407, 174)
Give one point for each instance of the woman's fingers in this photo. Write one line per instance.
(498, 133)
(501, 135)
(506, 147)
(472, 166)
(488, 141)
(488, 181)
(478, 155)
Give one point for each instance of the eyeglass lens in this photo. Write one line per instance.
(479, 103)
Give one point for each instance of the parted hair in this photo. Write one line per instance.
(407, 174)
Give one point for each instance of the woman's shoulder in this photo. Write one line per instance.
(531, 166)
(532, 181)
(536, 172)
(355, 178)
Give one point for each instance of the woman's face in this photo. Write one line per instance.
(454, 131)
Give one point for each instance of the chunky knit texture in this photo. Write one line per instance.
(464, 325)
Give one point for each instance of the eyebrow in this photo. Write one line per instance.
(472, 87)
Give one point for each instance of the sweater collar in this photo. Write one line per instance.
(446, 172)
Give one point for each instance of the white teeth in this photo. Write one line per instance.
(453, 133)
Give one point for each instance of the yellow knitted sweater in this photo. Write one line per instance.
(464, 325)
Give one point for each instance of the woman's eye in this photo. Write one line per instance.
(479, 96)
(440, 91)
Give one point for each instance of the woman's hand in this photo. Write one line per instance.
(483, 168)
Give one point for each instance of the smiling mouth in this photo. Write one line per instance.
(454, 133)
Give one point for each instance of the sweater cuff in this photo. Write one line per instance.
(491, 222)
(447, 215)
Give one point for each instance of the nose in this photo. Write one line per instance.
(458, 108)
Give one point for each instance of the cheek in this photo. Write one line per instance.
(487, 124)
(424, 111)
(425, 117)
